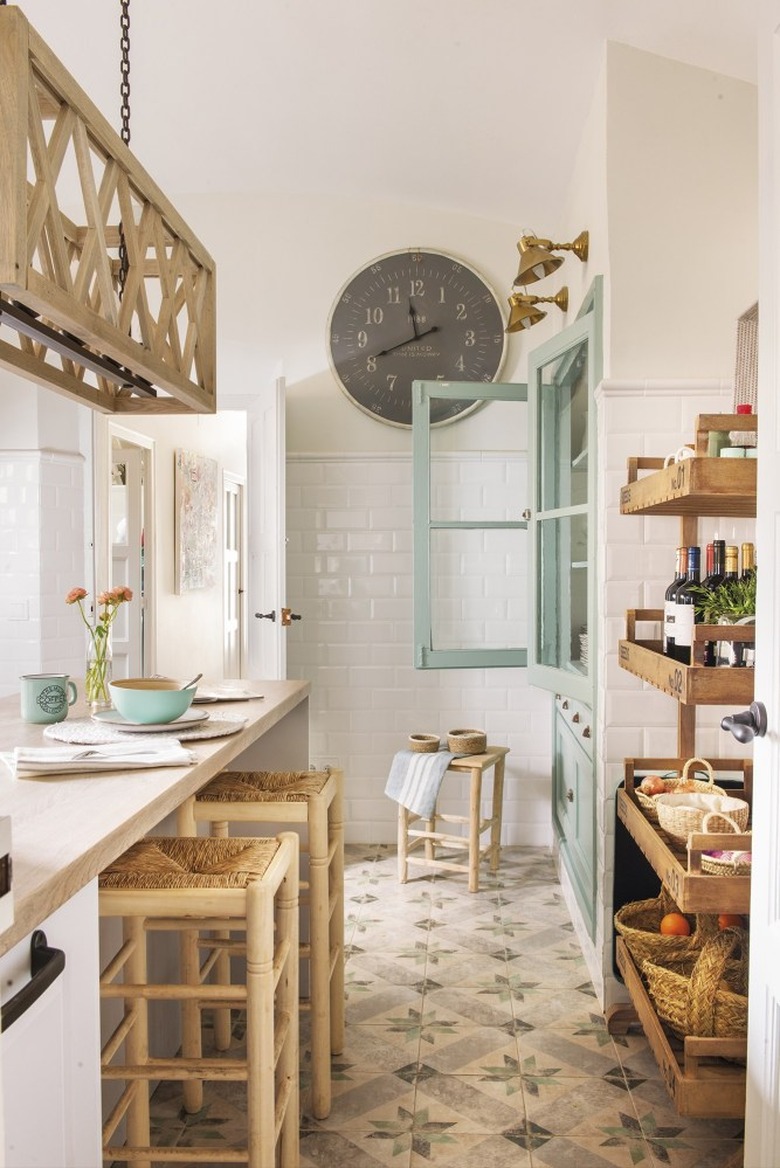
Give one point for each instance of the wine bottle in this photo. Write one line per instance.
(679, 577)
(685, 598)
(731, 563)
(716, 570)
(748, 561)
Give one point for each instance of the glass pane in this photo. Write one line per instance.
(562, 629)
(563, 430)
(482, 487)
(479, 589)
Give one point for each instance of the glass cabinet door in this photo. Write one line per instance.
(563, 374)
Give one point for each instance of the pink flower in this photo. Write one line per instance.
(75, 594)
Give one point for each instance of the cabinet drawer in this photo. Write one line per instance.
(574, 813)
(579, 718)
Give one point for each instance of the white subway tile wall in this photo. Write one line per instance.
(41, 559)
(349, 574)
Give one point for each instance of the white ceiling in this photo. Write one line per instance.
(470, 105)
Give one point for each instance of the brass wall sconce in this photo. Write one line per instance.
(537, 260)
(523, 313)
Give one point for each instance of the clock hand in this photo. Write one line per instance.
(408, 341)
(413, 317)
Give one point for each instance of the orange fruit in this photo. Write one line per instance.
(726, 919)
(674, 924)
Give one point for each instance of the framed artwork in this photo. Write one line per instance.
(196, 499)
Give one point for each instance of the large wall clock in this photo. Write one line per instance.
(414, 315)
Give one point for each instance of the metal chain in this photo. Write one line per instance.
(124, 92)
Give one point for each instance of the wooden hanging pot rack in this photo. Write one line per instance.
(143, 344)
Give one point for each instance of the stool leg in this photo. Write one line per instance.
(498, 808)
(288, 929)
(319, 962)
(261, 1104)
(403, 842)
(191, 1037)
(336, 814)
(223, 1019)
(137, 1042)
(475, 807)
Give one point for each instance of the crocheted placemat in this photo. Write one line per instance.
(88, 733)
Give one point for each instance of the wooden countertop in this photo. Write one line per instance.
(65, 829)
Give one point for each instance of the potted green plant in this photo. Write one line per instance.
(732, 603)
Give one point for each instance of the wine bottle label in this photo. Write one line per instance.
(684, 620)
(669, 613)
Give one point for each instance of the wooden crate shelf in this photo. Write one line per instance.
(697, 684)
(680, 869)
(705, 1077)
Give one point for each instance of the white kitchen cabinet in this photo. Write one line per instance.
(50, 1055)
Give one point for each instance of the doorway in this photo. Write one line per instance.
(234, 574)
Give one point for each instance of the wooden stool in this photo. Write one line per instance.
(411, 838)
(313, 798)
(193, 887)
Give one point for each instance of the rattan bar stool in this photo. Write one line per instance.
(245, 890)
(314, 799)
(431, 837)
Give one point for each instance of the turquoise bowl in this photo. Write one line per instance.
(151, 700)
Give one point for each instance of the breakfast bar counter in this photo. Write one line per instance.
(65, 828)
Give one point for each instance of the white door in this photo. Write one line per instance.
(267, 536)
(128, 537)
(762, 1121)
(234, 582)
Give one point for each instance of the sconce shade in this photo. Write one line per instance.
(536, 260)
(523, 313)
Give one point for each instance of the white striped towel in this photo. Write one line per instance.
(415, 778)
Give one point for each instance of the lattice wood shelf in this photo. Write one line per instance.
(67, 322)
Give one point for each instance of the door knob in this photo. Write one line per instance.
(271, 616)
(747, 725)
(288, 616)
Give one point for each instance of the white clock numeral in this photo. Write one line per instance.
(370, 364)
(460, 365)
(442, 297)
(470, 338)
(374, 316)
(362, 339)
(461, 313)
(417, 287)
(394, 295)
(391, 380)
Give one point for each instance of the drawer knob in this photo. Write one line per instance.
(586, 732)
(575, 717)
(570, 795)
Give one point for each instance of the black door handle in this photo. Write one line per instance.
(271, 616)
(46, 965)
(747, 725)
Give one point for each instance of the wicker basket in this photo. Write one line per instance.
(424, 743)
(467, 741)
(679, 815)
(673, 783)
(638, 923)
(707, 995)
(725, 863)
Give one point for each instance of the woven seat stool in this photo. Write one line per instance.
(239, 894)
(314, 800)
(409, 838)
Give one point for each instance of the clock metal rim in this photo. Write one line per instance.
(363, 268)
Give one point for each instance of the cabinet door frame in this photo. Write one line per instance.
(586, 328)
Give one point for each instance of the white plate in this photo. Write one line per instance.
(114, 718)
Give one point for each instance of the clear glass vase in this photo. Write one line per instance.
(98, 673)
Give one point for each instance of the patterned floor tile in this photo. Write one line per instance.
(473, 1040)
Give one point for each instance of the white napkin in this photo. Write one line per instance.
(111, 756)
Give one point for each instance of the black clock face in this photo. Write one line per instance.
(414, 316)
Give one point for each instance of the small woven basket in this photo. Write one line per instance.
(675, 782)
(746, 365)
(707, 995)
(725, 863)
(638, 923)
(467, 741)
(424, 743)
(680, 814)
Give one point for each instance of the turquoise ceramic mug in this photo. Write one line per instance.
(46, 696)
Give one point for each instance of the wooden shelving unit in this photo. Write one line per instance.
(705, 1077)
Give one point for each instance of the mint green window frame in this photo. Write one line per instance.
(425, 655)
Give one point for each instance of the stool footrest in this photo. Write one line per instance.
(190, 1156)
